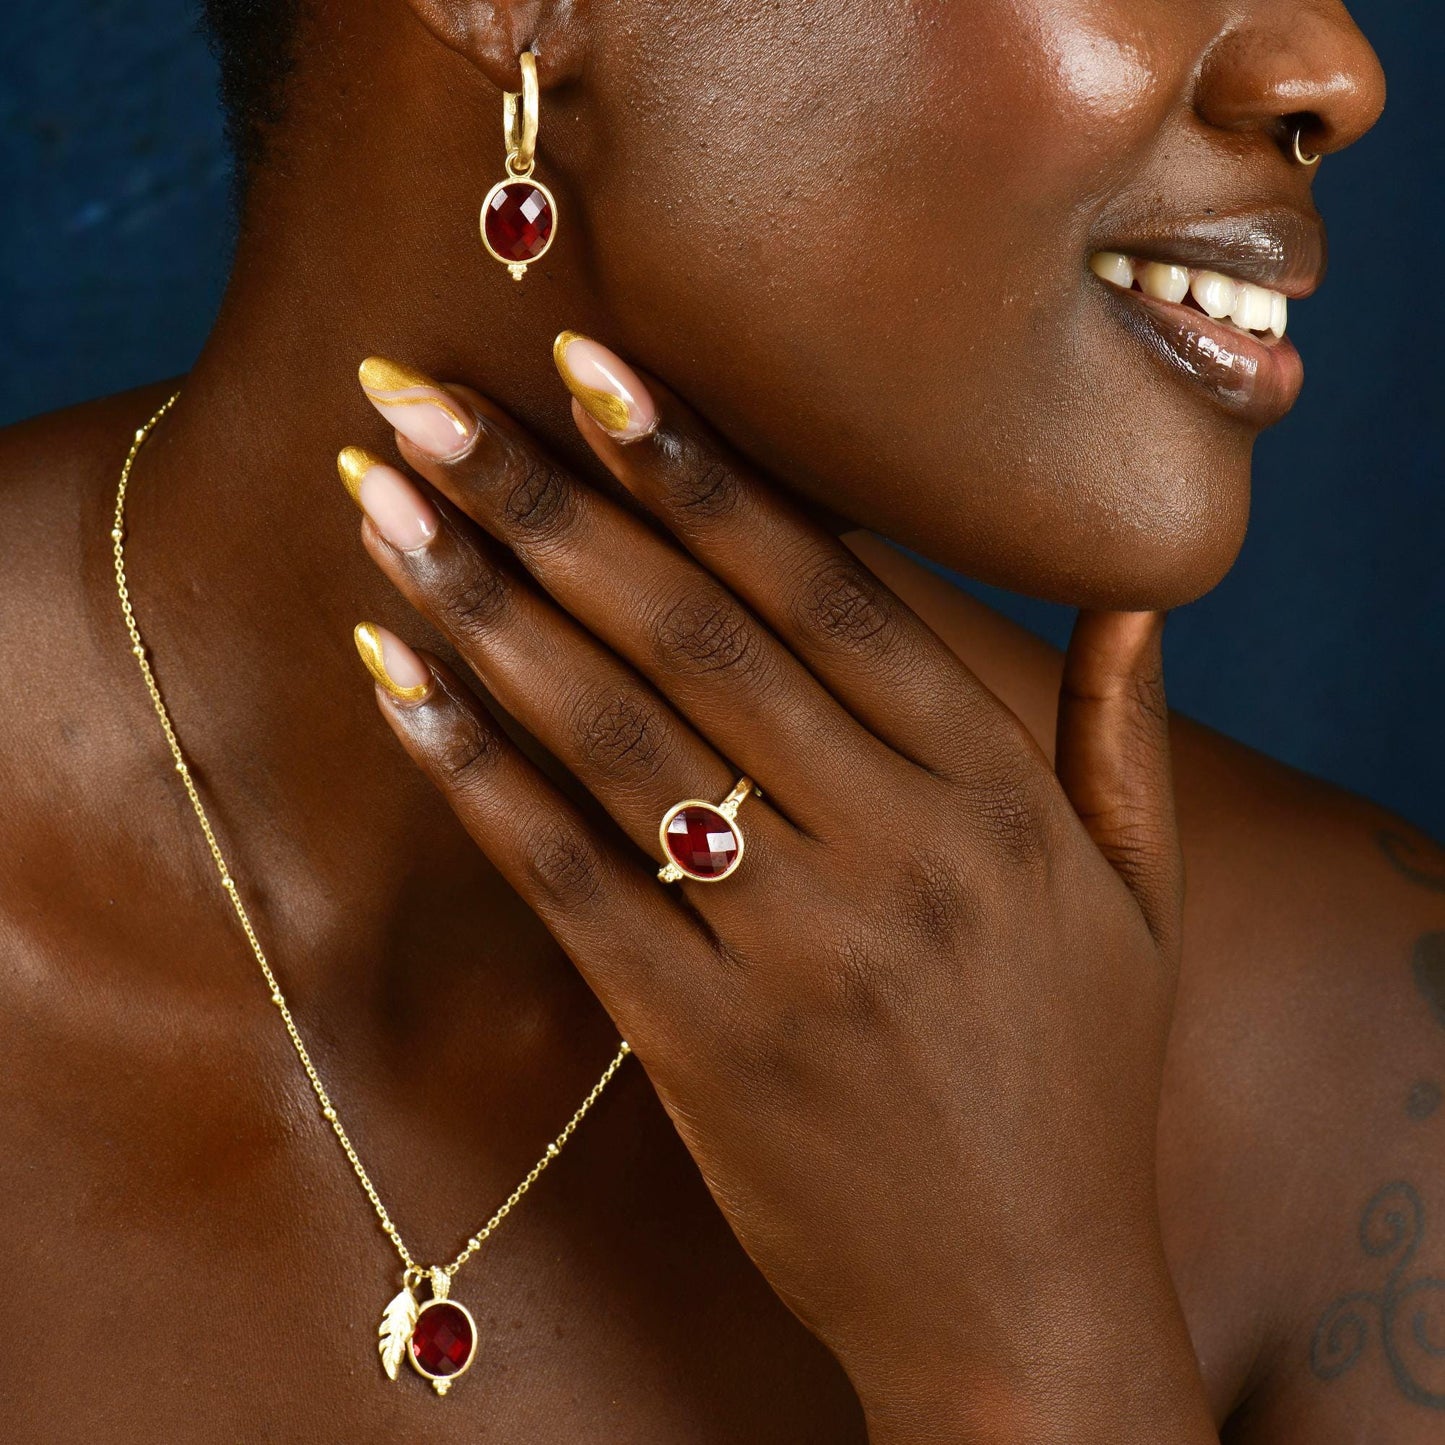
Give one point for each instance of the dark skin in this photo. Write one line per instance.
(164, 1164)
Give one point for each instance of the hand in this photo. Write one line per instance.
(915, 1041)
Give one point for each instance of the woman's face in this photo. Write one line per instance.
(859, 234)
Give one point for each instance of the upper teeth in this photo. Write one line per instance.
(1251, 308)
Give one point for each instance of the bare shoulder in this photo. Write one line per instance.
(57, 592)
(59, 649)
(74, 444)
(57, 484)
(1303, 1141)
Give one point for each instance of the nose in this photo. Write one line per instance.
(1293, 66)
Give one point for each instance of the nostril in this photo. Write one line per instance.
(1302, 137)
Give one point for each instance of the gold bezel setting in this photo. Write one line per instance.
(672, 871)
(518, 268)
(442, 1383)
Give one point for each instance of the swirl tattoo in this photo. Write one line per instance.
(1423, 1100)
(1409, 1314)
(1428, 966)
(1411, 860)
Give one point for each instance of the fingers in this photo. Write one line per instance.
(623, 741)
(595, 894)
(1112, 756)
(638, 593)
(881, 661)
(743, 697)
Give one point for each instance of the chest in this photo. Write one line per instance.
(203, 1266)
(191, 1257)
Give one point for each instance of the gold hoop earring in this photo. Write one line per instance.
(1305, 159)
(519, 215)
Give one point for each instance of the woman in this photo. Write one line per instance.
(950, 1120)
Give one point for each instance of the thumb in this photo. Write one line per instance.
(1112, 757)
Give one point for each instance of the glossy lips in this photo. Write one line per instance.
(1209, 299)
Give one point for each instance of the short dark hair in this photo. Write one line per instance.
(254, 44)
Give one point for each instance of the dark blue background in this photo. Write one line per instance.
(1325, 647)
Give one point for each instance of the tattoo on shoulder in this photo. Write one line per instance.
(1423, 1099)
(1420, 864)
(1404, 1316)
(1428, 966)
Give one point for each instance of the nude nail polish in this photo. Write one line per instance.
(606, 388)
(397, 509)
(430, 418)
(392, 663)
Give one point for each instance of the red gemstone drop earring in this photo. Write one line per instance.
(519, 215)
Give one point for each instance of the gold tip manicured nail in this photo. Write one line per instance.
(607, 410)
(392, 663)
(434, 420)
(397, 509)
(379, 373)
(353, 464)
(606, 388)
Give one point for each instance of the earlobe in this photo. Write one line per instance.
(492, 34)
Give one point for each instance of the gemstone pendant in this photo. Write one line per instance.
(438, 1337)
(519, 217)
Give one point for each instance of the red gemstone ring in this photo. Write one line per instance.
(702, 840)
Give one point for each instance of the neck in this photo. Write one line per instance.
(248, 574)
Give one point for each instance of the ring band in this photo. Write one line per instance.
(702, 841)
(1306, 159)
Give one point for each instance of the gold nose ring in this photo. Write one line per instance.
(1305, 158)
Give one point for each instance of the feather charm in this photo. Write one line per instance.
(397, 1324)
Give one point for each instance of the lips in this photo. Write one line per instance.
(1280, 248)
(1208, 298)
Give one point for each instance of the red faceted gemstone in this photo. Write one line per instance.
(702, 842)
(443, 1340)
(518, 221)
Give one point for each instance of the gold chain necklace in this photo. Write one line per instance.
(439, 1336)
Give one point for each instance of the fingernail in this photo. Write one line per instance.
(392, 663)
(396, 508)
(428, 417)
(606, 388)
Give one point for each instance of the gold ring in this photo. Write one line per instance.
(1311, 159)
(702, 841)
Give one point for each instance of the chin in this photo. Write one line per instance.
(1126, 537)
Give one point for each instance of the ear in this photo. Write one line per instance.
(491, 34)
